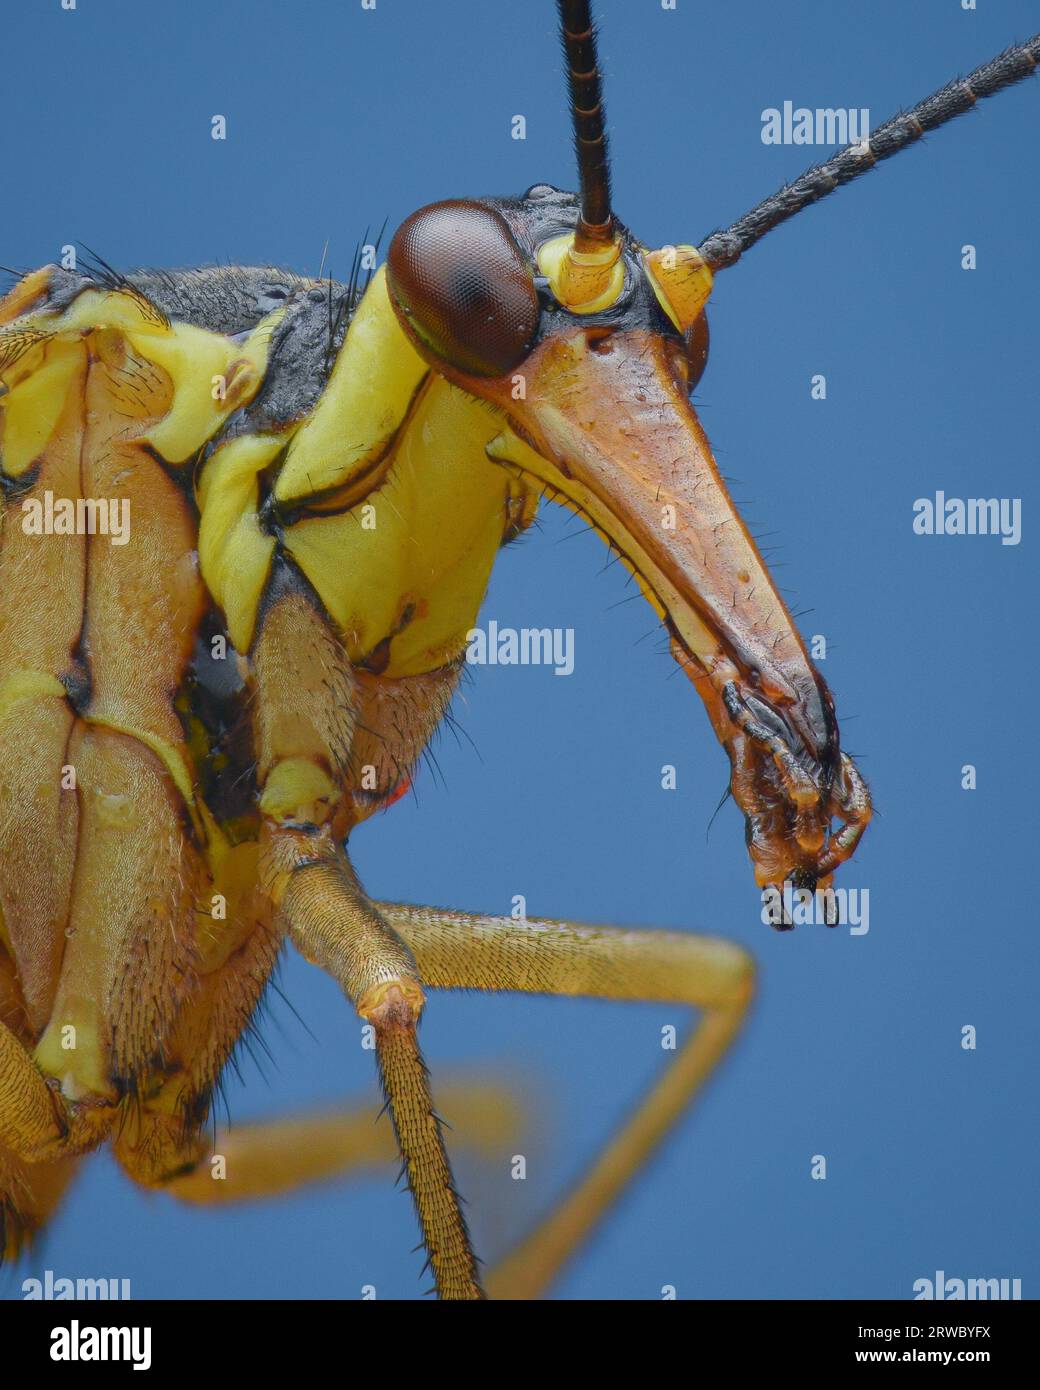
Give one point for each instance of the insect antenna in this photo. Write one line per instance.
(724, 248)
(595, 225)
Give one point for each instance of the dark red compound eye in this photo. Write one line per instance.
(464, 287)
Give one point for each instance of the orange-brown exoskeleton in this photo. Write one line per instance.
(248, 522)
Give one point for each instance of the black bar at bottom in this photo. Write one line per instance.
(340, 1339)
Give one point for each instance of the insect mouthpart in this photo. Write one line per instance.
(788, 790)
(605, 421)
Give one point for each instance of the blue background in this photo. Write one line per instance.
(339, 118)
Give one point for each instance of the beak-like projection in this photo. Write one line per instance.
(597, 408)
(607, 424)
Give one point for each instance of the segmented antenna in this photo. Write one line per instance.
(723, 248)
(595, 225)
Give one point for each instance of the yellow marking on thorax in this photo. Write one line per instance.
(212, 375)
(127, 309)
(409, 563)
(36, 685)
(298, 789)
(234, 552)
(21, 297)
(407, 557)
(33, 406)
(375, 376)
(28, 685)
(413, 558)
(212, 378)
(82, 1070)
(171, 757)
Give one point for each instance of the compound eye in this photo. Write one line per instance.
(696, 342)
(463, 286)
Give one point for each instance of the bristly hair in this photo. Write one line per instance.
(96, 268)
(358, 282)
(15, 275)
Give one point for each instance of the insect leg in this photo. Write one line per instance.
(161, 1133)
(29, 1195)
(852, 803)
(278, 1156)
(335, 926)
(305, 719)
(29, 1191)
(456, 950)
(32, 1120)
